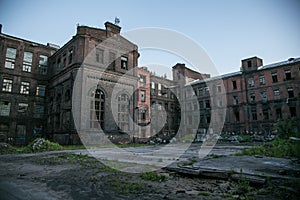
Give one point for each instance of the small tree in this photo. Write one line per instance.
(286, 127)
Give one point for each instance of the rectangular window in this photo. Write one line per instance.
(4, 108)
(206, 90)
(264, 97)
(290, 92)
(265, 114)
(234, 86)
(39, 111)
(43, 65)
(112, 62)
(200, 91)
(276, 94)
(261, 80)
(274, 77)
(201, 104)
(64, 59)
(219, 89)
(22, 107)
(237, 116)
(58, 66)
(208, 119)
(99, 56)
(143, 79)
(143, 95)
(7, 85)
(159, 89)
(25, 87)
(27, 61)
(251, 82)
(21, 131)
(288, 75)
(71, 53)
(249, 63)
(10, 58)
(124, 62)
(40, 90)
(207, 103)
(235, 100)
(252, 97)
(254, 113)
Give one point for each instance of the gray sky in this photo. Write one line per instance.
(228, 30)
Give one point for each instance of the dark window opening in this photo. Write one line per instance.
(249, 63)
(288, 75)
(290, 92)
(265, 114)
(234, 85)
(274, 77)
(237, 116)
(293, 111)
(254, 113)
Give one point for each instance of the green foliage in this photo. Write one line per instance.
(7, 149)
(152, 176)
(286, 127)
(46, 145)
(279, 148)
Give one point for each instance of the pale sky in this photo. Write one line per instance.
(228, 30)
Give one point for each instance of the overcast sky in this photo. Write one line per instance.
(228, 30)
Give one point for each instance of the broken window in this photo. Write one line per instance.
(99, 56)
(207, 103)
(7, 85)
(290, 92)
(27, 61)
(22, 107)
(43, 65)
(200, 91)
(276, 94)
(10, 58)
(25, 87)
(97, 109)
(251, 82)
(143, 79)
(262, 80)
(143, 95)
(264, 97)
(206, 90)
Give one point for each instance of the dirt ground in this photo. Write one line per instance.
(72, 176)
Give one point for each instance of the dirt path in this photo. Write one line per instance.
(71, 176)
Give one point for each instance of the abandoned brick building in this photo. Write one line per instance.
(96, 76)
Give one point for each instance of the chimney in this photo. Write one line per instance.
(112, 28)
(0, 28)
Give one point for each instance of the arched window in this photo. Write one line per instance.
(123, 112)
(97, 109)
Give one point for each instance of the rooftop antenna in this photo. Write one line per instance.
(117, 20)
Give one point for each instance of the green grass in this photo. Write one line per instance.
(152, 176)
(279, 148)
